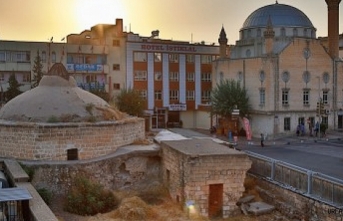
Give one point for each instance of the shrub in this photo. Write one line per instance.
(45, 194)
(89, 198)
(28, 170)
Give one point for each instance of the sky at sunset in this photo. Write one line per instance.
(186, 20)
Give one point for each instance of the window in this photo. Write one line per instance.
(295, 32)
(157, 57)
(221, 76)
(206, 77)
(190, 95)
(174, 95)
(158, 76)
(325, 97)
(287, 124)
(139, 56)
(259, 32)
(205, 95)
(305, 32)
(173, 58)
(21, 56)
(174, 76)
(206, 59)
(116, 67)
(2, 77)
(190, 58)
(190, 76)
(116, 43)
(158, 95)
(116, 86)
(285, 97)
(306, 97)
(140, 76)
(43, 56)
(53, 57)
(2, 56)
(283, 32)
(72, 154)
(262, 96)
(26, 77)
(143, 94)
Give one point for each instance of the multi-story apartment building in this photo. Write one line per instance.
(174, 77)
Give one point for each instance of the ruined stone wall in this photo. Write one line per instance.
(189, 178)
(229, 170)
(294, 205)
(173, 172)
(113, 171)
(50, 141)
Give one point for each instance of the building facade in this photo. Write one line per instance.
(285, 69)
(174, 77)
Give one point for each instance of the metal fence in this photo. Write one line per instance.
(309, 183)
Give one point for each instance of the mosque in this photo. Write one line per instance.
(285, 69)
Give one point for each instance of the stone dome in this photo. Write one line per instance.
(281, 16)
(56, 98)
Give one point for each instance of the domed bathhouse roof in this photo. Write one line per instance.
(57, 98)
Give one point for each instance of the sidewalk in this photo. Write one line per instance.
(330, 135)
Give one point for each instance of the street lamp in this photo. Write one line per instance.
(320, 103)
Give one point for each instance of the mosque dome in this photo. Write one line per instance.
(56, 98)
(280, 14)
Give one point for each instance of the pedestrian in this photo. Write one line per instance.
(262, 140)
(316, 129)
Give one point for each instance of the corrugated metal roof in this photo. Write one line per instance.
(16, 193)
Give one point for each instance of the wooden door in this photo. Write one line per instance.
(215, 201)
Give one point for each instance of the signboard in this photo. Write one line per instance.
(85, 67)
(177, 107)
(247, 128)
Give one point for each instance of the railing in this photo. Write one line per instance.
(309, 183)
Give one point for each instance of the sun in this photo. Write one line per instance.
(91, 12)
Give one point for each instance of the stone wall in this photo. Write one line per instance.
(50, 141)
(189, 177)
(116, 171)
(294, 205)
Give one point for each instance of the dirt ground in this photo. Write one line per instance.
(166, 212)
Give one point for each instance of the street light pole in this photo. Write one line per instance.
(320, 103)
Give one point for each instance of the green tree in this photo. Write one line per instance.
(130, 101)
(227, 96)
(13, 89)
(37, 71)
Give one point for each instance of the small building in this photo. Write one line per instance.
(205, 177)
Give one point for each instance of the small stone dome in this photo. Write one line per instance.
(57, 98)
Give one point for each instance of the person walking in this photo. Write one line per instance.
(262, 140)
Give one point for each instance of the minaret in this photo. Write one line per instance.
(269, 35)
(333, 27)
(222, 43)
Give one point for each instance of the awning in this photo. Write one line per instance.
(14, 194)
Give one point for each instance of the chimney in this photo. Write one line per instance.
(333, 27)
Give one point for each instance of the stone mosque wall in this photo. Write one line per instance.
(51, 141)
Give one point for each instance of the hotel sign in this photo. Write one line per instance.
(169, 48)
(177, 107)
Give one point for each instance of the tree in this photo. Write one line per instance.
(130, 101)
(227, 96)
(13, 89)
(37, 70)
